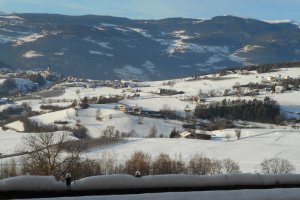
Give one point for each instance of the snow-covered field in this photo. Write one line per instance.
(254, 146)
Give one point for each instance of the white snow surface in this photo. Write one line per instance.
(248, 48)
(255, 145)
(280, 21)
(16, 125)
(11, 17)
(32, 54)
(30, 38)
(9, 141)
(31, 183)
(120, 181)
(44, 183)
(142, 32)
(274, 194)
(100, 53)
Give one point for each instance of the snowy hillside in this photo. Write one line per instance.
(105, 47)
(258, 141)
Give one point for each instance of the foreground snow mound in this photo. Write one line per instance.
(182, 180)
(31, 183)
(110, 182)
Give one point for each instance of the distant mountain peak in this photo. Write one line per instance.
(105, 47)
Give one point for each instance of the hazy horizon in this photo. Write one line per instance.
(159, 9)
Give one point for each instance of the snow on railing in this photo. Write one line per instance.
(121, 181)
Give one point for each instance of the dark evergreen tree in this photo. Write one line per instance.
(174, 133)
(85, 103)
(266, 111)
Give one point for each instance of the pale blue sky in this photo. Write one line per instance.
(157, 9)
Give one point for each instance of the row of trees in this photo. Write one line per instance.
(51, 154)
(263, 68)
(266, 111)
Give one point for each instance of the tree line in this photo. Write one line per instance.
(266, 111)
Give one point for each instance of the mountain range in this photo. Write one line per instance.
(105, 47)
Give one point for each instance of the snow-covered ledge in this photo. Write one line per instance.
(120, 181)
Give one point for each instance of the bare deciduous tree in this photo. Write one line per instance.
(140, 120)
(230, 167)
(162, 164)
(238, 133)
(108, 131)
(276, 166)
(152, 132)
(49, 154)
(8, 169)
(216, 167)
(200, 165)
(98, 115)
(138, 161)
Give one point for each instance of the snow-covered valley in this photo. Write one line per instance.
(258, 141)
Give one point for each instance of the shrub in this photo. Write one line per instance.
(276, 166)
(200, 165)
(229, 166)
(138, 161)
(162, 165)
(174, 133)
(47, 155)
(81, 132)
(238, 133)
(153, 132)
(8, 169)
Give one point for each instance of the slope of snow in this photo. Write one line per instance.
(248, 48)
(9, 141)
(254, 146)
(50, 118)
(32, 54)
(107, 24)
(16, 125)
(11, 17)
(2, 80)
(181, 46)
(142, 32)
(119, 181)
(100, 53)
(279, 21)
(29, 38)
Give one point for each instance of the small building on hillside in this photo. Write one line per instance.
(201, 136)
(122, 108)
(185, 134)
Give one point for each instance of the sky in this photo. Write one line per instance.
(158, 9)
